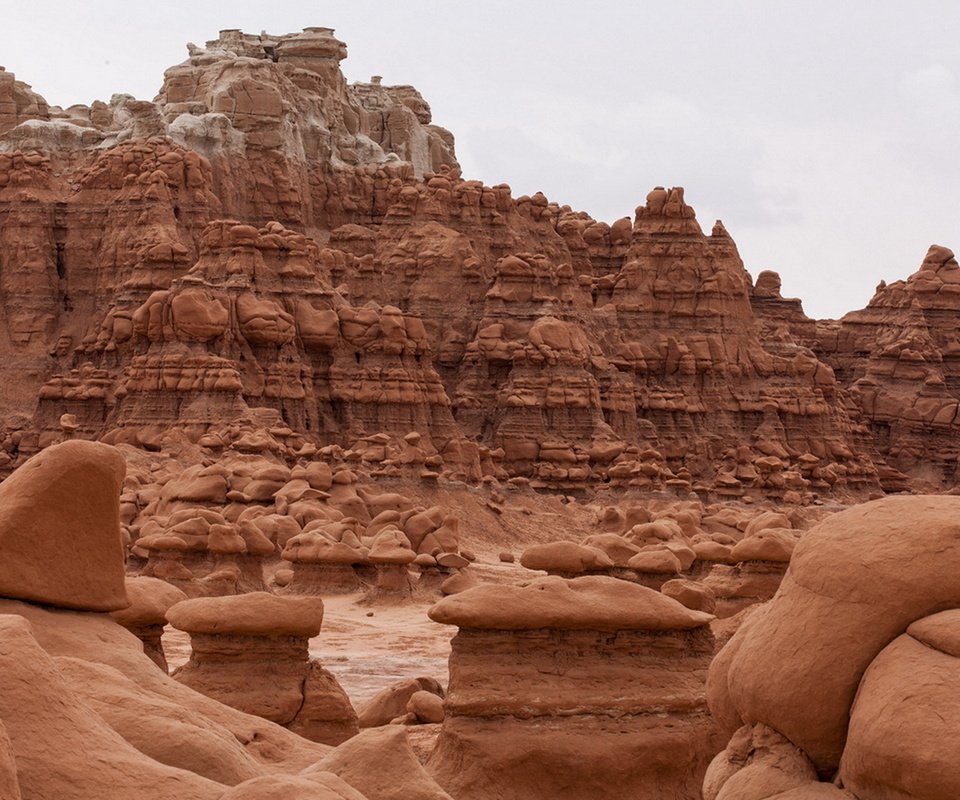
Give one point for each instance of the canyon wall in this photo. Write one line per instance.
(264, 235)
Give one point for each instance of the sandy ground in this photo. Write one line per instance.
(368, 653)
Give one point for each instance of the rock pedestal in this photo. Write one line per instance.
(322, 565)
(574, 689)
(250, 652)
(761, 561)
(146, 616)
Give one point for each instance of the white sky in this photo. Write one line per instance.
(823, 133)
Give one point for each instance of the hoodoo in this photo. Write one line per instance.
(574, 688)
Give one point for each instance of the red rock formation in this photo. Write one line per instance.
(392, 703)
(18, 103)
(381, 763)
(103, 721)
(250, 652)
(75, 563)
(576, 352)
(146, 616)
(853, 646)
(538, 672)
(900, 360)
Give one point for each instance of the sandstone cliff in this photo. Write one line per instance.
(264, 235)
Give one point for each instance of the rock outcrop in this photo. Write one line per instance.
(263, 235)
(381, 763)
(899, 360)
(103, 721)
(854, 646)
(250, 652)
(574, 689)
(70, 562)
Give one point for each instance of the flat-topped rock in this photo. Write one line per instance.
(253, 614)
(587, 603)
(251, 652)
(564, 557)
(574, 688)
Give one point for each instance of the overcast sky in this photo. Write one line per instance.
(823, 134)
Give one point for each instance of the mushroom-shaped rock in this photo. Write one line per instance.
(391, 546)
(565, 558)
(655, 559)
(762, 560)
(146, 616)
(618, 549)
(391, 554)
(654, 565)
(60, 541)
(692, 594)
(710, 552)
(546, 665)
(201, 552)
(254, 614)
(660, 530)
(592, 602)
(767, 544)
(767, 520)
(250, 652)
(436, 571)
(322, 565)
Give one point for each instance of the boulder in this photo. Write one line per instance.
(60, 528)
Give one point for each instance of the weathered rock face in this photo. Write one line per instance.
(574, 689)
(110, 201)
(254, 323)
(265, 236)
(9, 785)
(783, 323)
(854, 645)
(574, 352)
(689, 337)
(18, 103)
(102, 720)
(52, 745)
(284, 104)
(926, 655)
(899, 359)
